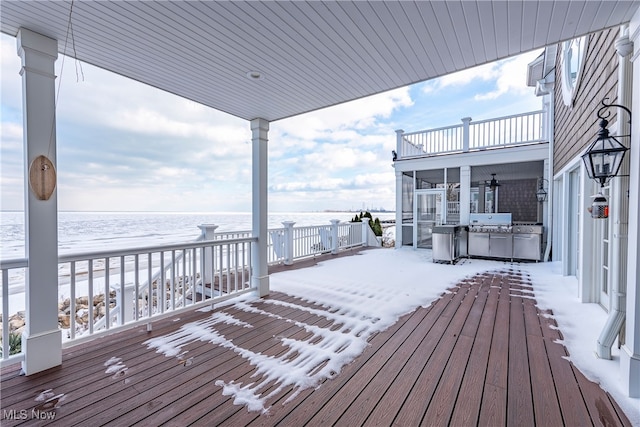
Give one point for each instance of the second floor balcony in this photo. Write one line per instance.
(469, 136)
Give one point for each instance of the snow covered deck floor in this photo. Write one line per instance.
(482, 354)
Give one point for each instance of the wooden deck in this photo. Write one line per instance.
(482, 354)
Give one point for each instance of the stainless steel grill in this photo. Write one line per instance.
(494, 236)
(527, 241)
(527, 229)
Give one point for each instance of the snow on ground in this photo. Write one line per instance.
(367, 293)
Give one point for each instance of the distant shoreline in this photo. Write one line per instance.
(213, 212)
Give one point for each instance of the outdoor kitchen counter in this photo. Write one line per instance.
(495, 236)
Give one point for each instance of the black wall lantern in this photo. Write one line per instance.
(541, 194)
(493, 184)
(604, 156)
(603, 159)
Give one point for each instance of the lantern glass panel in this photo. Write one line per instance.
(603, 159)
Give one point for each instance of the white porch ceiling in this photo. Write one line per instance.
(310, 54)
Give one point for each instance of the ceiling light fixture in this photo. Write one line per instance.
(255, 75)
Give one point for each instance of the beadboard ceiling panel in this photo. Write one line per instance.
(310, 55)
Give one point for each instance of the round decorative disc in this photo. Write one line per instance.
(42, 177)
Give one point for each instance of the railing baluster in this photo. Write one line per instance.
(91, 296)
(236, 263)
(72, 300)
(122, 300)
(149, 285)
(5, 313)
(172, 284)
(194, 295)
(163, 285)
(136, 284)
(228, 247)
(186, 274)
(221, 271)
(107, 294)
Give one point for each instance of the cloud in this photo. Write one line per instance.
(356, 116)
(507, 76)
(121, 137)
(511, 77)
(485, 73)
(126, 146)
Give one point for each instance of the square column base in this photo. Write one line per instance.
(261, 285)
(41, 351)
(630, 372)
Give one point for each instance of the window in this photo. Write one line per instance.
(573, 52)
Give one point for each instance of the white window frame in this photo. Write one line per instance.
(572, 49)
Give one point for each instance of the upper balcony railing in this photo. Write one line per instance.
(519, 129)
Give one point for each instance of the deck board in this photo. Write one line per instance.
(482, 354)
(368, 399)
(418, 401)
(493, 406)
(519, 401)
(467, 406)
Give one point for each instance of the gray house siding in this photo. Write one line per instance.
(576, 125)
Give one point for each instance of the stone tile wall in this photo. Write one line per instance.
(519, 198)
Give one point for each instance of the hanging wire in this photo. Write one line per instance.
(73, 46)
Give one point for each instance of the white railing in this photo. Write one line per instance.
(507, 131)
(105, 290)
(13, 274)
(519, 129)
(434, 141)
(108, 289)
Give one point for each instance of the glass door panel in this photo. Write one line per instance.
(430, 210)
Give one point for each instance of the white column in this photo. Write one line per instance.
(125, 300)
(365, 231)
(465, 194)
(335, 244)
(259, 211)
(465, 133)
(399, 190)
(42, 340)
(630, 352)
(288, 242)
(207, 232)
(399, 136)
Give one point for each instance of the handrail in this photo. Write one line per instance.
(126, 252)
(13, 263)
(440, 129)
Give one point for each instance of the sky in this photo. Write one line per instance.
(125, 146)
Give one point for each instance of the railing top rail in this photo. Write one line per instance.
(312, 227)
(432, 130)
(513, 116)
(495, 119)
(148, 249)
(13, 263)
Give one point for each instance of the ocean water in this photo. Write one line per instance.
(80, 232)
